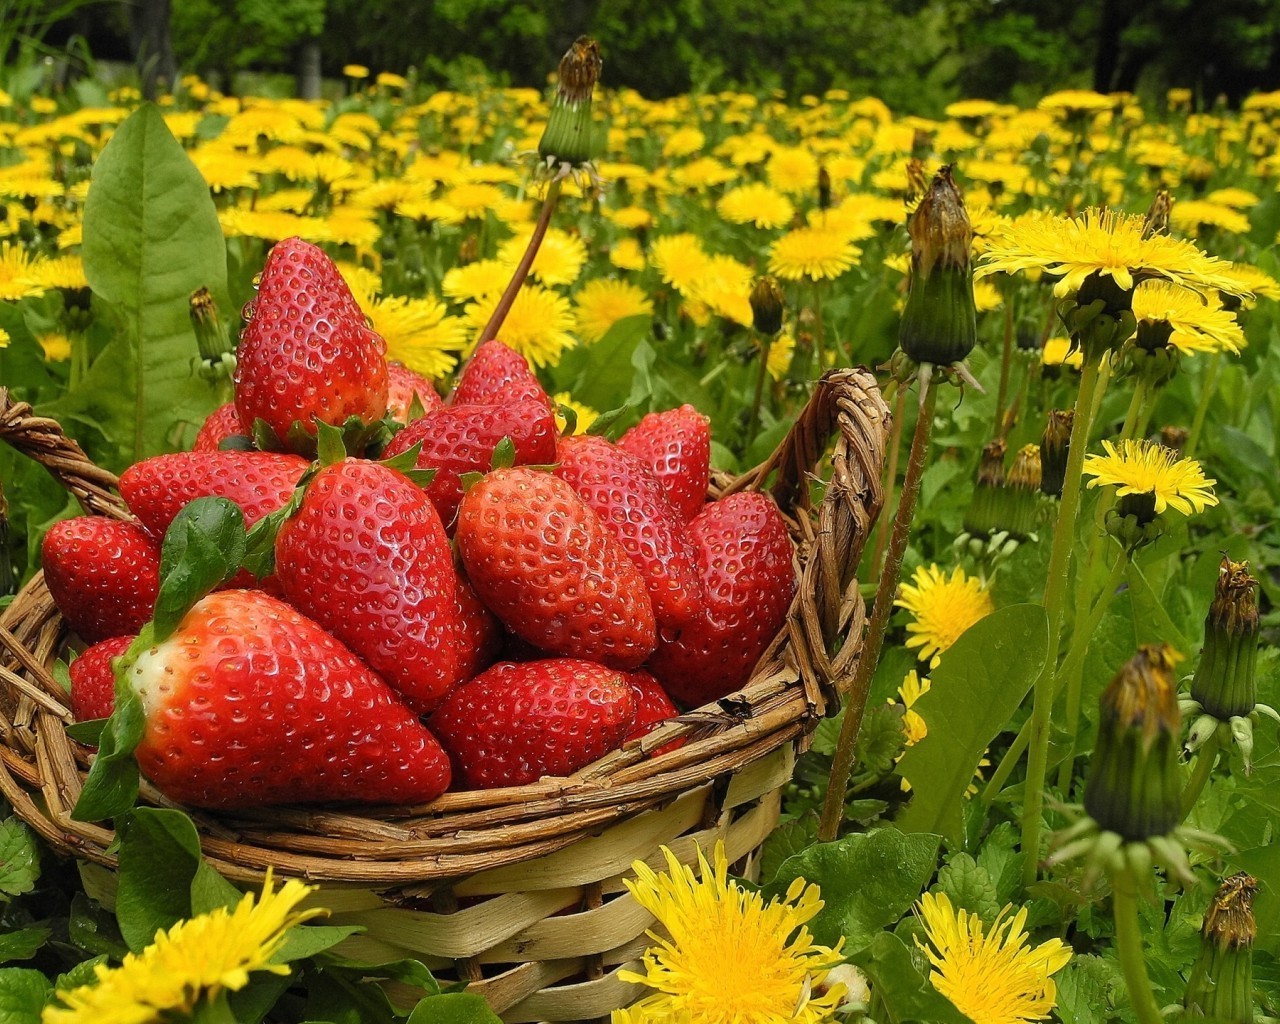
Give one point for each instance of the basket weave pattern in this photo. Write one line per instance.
(518, 891)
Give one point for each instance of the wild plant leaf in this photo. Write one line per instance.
(159, 854)
(453, 1008)
(23, 943)
(23, 994)
(112, 785)
(906, 994)
(203, 547)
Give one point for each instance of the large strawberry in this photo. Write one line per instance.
(653, 707)
(547, 567)
(307, 353)
(156, 489)
(93, 682)
(103, 575)
(479, 634)
(744, 558)
(250, 703)
(366, 557)
(676, 445)
(403, 385)
(462, 439)
(498, 374)
(223, 422)
(515, 723)
(621, 489)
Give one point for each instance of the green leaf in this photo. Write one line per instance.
(93, 929)
(22, 944)
(209, 890)
(151, 238)
(907, 996)
(453, 1008)
(159, 854)
(23, 994)
(868, 880)
(112, 785)
(979, 684)
(969, 886)
(19, 858)
(1085, 989)
(603, 424)
(504, 454)
(203, 547)
(329, 446)
(787, 840)
(407, 972)
(305, 941)
(88, 732)
(1151, 621)
(253, 1002)
(82, 973)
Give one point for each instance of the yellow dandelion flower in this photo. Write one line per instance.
(365, 284)
(335, 172)
(64, 272)
(781, 353)
(971, 109)
(943, 608)
(537, 326)
(194, 959)
(679, 259)
(724, 956)
(811, 253)
(756, 204)
(701, 174)
(224, 169)
(586, 415)
(559, 259)
(1075, 101)
(1236, 198)
(349, 225)
(793, 170)
(19, 274)
(1057, 351)
(270, 225)
(56, 345)
(911, 690)
(1100, 242)
(630, 217)
(4, 335)
(601, 303)
(626, 254)
(1249, 281)
(473, 199)
(1140, 467)
(356, 71)
(476, 280)
(986, 297)
(1190, 215)
(418, 333)
(390, 80)
(995, 976)
(683, 142)
(1195, 324)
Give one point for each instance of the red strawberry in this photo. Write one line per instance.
(462, 440)
(516, 723)
(402, 384)
(222, 423)
(479, 634)
(621, 489)
(367, 558)
(744, 558)
(93, 683)
(250, 703)
(102, 574)
(307, 353)
(547, 567)
(653, 707)
(156, 489)
(676, 445)
(495, 375)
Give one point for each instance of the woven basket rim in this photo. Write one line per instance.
(795, 683)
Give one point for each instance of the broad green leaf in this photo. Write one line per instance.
(907, 996)
(868, 881)
(159, 853)
(22, 944)
(151, 238)
(93, 929)
(303, 941)
(209, 890)
(203, 547)
(1151, 621)
(1085, 989)
(1264, 864)
(253, 1002)
(112, 785)
(979, 684)
(82, 973)
(453, 1008)
(23, 994)
(19, 858)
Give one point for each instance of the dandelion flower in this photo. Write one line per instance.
(64, 272)
(56, 345)
(1140, 467)
(559, 259)
(1193, 324)
(1247, 280)
(4, 338)
(476, 280)
(724, 956)
(193, 959)
(680, 260)
(911, 690)
(473, 199)
(793, 170)
(601, 303)
(811, 253)
(626, 254)
(1076, 101)
(1190, 215)
(356, 71)
(1057, 351)
(418, 333)
(943, 608)
(537, 326)
(585, 414)
(756, 204)
(995, 976)
(19, 275)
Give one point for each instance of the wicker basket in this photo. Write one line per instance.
(517, 891)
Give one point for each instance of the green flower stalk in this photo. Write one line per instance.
(1220, 986)
(1224, 684)
(1055, 445)
(982, 518)
(569, 140)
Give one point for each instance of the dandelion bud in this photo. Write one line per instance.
(1157, 220)
(983, 516)
(767, 303)
(211, 333)
(1133, 787)
(824, 189)
(1023, 488)
(569, 137)
(1055, 444)
(917, 179)
(1224, 682)
(1174, 438)
(939, 323)
(1220, 986)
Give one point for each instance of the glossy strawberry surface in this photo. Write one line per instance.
(250, 703)
(103, 575)
(402, 385)
(496, 374)
(676, 445)
(744, 558)
(93, 684)
(515, 723)
(548, 568)
(222, 423)
(653, 707)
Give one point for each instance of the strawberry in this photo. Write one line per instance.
(222, 423)
(479, 634)
(653, 707)
(250, 703)
(102, 574)
(495, 375)
(306, 353)
(93, 682)
(366, 557)
(676, 445)
(402, 384)
(621, 489)
(513, 724)
(462, 439)
(744, 558)
(156, 489)
(547, 567)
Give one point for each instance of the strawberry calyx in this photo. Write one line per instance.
(504, 457)
(356, 435)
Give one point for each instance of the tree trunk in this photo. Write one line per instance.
(309, 69)
(152, 45)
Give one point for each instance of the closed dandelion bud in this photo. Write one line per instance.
(767, 303)
(1023, 486)
(211, 333)
(917, 179)
(983, 516)
(569, 136)
(1224, 683)
(1055, 443)
(1174, 438)
(824, 189)
(939, 323)
(1133, 787)
(1157, 220)
(1220, 986)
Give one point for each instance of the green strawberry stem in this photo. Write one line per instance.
(503, 307)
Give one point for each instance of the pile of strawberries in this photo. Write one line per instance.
(499, 625)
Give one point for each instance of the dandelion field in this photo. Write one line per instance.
(1052, 792)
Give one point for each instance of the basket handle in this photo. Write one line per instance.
(44, 441)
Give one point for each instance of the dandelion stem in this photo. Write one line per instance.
(1124, 906)
(766, 343)
(999, 430)
(1134, 412)
(503, 307)
(856, 695)
(1206, 758)
(1007, 763)
(1054, 601)
(1208, 388)
(890, 477)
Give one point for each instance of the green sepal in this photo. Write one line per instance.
(330, 447)
(89, 732)
(237, 443)
(260, 545)
(203, 547)
(406, 463)
(504, 454)
(416, 409)
(61, 673)
(265, 439)
(570, 416)
(469, 480)
(602, 424)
